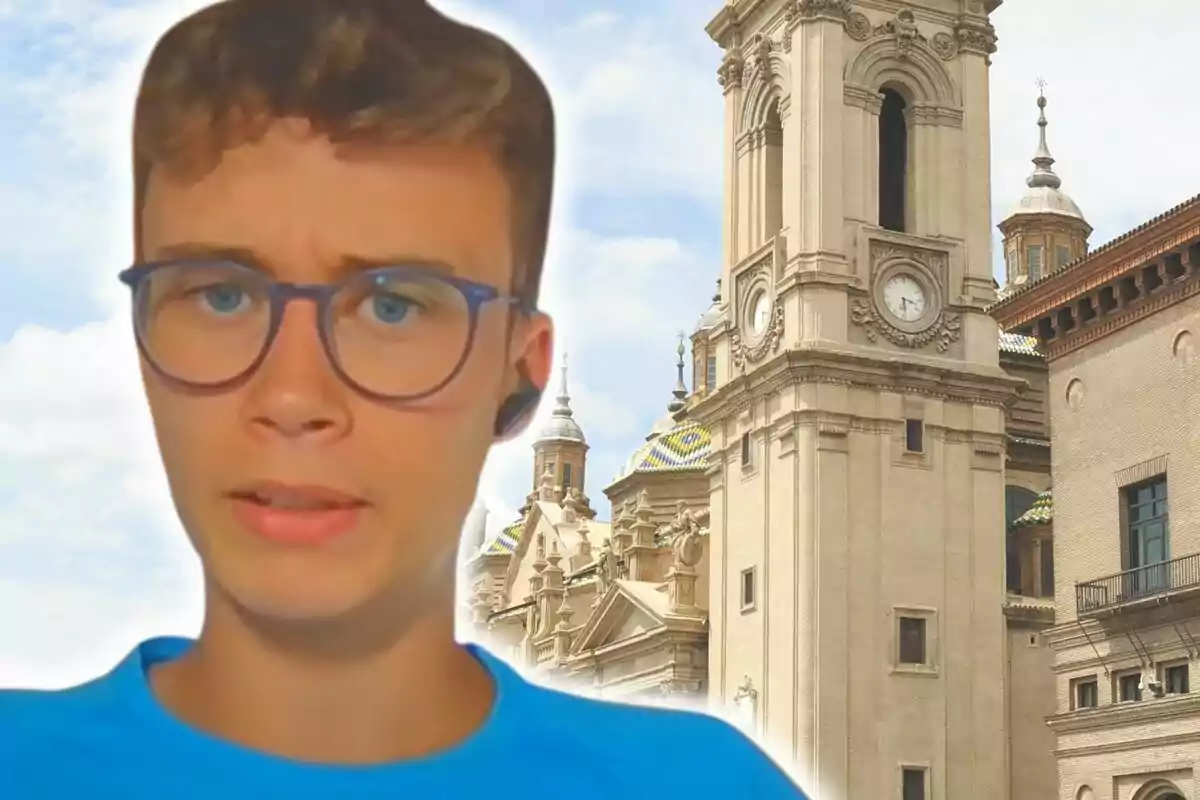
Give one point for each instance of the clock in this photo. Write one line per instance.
(760, 313)
(904, 297)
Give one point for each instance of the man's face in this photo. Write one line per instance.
(303, 209)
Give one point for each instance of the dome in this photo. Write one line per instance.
(684, 447)
(1045, 194)
(1046, 200)
(713, 315)
(562, 425)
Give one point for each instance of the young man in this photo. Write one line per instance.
(341, 211)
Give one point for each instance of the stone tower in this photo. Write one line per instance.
(560, 449)
(858, 629)
(1045, 231)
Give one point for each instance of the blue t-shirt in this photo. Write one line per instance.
(111, 739)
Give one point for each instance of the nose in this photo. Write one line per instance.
(295, 393)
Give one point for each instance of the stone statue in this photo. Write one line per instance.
(605, 567)
(688, 547)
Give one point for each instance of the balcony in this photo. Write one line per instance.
(1173, 578)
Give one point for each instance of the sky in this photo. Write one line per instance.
(91, 555)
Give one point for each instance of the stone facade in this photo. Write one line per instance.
(845, 538)
(1118, 329)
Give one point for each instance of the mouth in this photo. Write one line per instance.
(286, 497)
(296, 515)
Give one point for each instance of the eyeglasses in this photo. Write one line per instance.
(395, 333)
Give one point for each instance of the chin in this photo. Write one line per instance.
(299, 598)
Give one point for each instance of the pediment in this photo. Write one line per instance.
(627, 610)
(542, 518)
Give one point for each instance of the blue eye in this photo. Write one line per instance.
(224, 298)
(390, 309)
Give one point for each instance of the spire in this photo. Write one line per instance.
(564, 398)
(562, 425)
(1043, 174)
(679, 395)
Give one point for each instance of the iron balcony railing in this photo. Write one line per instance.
(1137, 584)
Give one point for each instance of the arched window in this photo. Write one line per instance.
(1017, 500)
(772, 172)
(893, 161)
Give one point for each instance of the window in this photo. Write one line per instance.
(1146, 537)
(1129, 687)
(1086, 694)
(748, 589)
(1064, 256)
(1010, 260)
(1033, 254)
(1017, 500)
(746, 450)
(1175, 679)
(912, 640)
(914, 430)
(566, 476)
(913, 783)
(710, 373)
(773, 165)
(1047, 549)
(893, 161)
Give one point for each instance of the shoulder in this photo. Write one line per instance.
(28, 714)
(721, 761)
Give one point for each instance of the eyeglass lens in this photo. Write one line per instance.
(394, 333)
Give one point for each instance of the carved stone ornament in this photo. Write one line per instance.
(685, 535)
(745, 703)
(945, 329)
(760, 343)
(904, 27)
(945, 45)
(605, 567)
(758, 58)
(858, 27)
(729, 74)
(827, 9)
(744, 354)
(976, 38)
(930, 269)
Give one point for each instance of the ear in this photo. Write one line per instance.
(531, 355)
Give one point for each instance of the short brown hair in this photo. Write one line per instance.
(360, 71)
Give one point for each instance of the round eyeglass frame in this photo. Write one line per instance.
(281, 293)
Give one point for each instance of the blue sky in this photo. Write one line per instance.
(90, 554)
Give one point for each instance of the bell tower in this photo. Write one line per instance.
(857, 513)
(560, 451)
(1045, 231)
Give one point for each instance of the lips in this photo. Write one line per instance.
(296, 515)
(297, 498)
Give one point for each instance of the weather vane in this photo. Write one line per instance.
(1041, 84)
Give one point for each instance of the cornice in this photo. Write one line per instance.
(1122, 255)
(1114, 321)
(949, 381)
(1108, 717)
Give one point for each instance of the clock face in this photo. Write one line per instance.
(760, 313)
(904, 297)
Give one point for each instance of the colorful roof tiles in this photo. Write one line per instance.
(1018, 344)
(684, 447)
(506, 540)
(1040, 513)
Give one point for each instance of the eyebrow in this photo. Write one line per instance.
(348, 264)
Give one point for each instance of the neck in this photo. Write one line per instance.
(416, 694)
